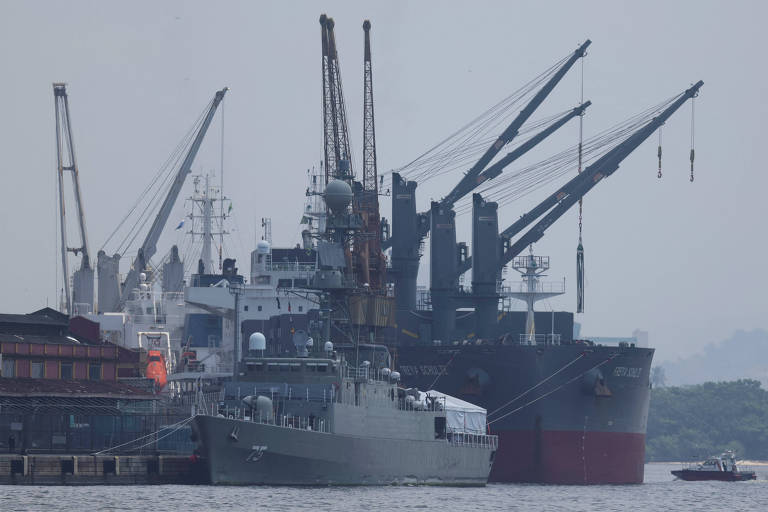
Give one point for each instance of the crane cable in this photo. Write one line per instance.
(478, 127)
(580, 247)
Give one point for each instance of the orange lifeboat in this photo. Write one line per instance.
(156, 368)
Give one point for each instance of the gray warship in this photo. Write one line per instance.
(323, 421)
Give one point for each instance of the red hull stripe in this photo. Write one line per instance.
(569, 457)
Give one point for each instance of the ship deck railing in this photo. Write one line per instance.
(463, 438)
(540, 339)
(310, 423)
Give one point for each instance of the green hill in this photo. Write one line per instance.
(692, 422)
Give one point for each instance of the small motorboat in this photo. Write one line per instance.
(722, 467)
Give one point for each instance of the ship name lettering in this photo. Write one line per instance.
(426, 369)
(624, 371)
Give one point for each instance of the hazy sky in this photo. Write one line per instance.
(684, 261)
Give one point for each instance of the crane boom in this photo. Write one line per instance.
(149, 246)
(338, 157)
(496, 169)
(469, 180)
(65, 152)
(370, 173)
(560, 201)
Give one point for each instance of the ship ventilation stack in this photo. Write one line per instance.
(405, 253)
(109, 284)
(530, 290)
(443, 262)
(173, 272)
(485, 273)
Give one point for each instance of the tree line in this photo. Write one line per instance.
(692, 422)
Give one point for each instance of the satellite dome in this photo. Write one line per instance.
(328, 346)
(262, 247)
(338, 195)
(142, 277)
(257, 341)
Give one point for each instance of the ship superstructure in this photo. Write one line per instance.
(322, 421)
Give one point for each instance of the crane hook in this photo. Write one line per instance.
(659, 174)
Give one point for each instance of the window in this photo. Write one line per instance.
(284, 283)
(259, 308)
(66, 371)
(301, 308)
(245, 308)
(9, 368)
(36, 370)
(94, 371)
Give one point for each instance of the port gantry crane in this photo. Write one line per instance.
(82, 281)
(492, 250)
(410, 228)
(149, 246)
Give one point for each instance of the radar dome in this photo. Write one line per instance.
(395, 376)
(338, 195)
(262, 247)
(328, 347)
(257, 341)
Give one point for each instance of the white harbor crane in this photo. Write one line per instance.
(149, 246)
(81, 294)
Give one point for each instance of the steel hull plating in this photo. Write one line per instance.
(270, 455)
(570, 414)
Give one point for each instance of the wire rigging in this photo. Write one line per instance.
(163, 176)
(473, 136)
(511, 186)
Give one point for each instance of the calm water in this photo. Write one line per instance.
(659, 492)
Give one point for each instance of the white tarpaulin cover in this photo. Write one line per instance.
(461, 416)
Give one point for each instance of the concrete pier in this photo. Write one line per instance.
(97, 469)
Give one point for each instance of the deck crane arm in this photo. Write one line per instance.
(565, 197)
(149, 246)
(470, 180)
(476, 175)
(494, 170)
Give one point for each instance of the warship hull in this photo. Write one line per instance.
(564, 414)
(238, 452)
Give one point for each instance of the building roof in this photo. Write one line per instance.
(39, 338)
(22, 387)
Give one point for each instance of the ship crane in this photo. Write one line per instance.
(492, 251)
(569, 194)
(149, 246)
(410, 228)
(338, 157)
(81, 294)
(370, 259)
